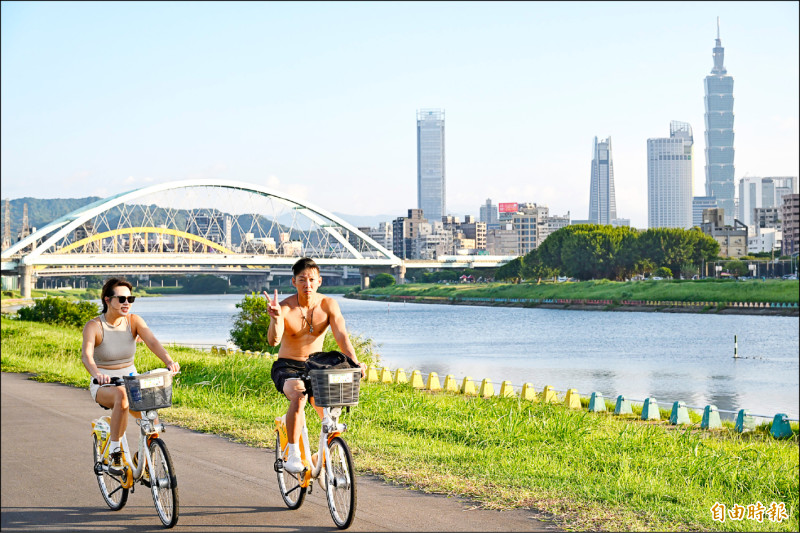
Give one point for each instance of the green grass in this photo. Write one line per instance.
(709, 290)
(338, 289)
(592, 471)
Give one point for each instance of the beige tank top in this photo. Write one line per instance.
(117, 346)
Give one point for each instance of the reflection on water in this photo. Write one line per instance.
(671, 357)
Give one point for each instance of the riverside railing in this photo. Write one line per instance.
(571, 398)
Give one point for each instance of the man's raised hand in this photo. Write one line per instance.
(274, 307)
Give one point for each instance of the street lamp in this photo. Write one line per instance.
(718, 268)
(752, 268)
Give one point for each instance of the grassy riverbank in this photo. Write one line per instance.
(591, 471)
(708, 290)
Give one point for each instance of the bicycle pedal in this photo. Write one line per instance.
(278, 465)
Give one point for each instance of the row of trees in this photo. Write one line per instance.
(591, 251)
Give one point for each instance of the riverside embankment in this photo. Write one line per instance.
(772, 297)
(590, 471)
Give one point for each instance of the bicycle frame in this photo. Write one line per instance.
(330, 428)
(147, 430)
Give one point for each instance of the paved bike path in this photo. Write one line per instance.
(47, 482)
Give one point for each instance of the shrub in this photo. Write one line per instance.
(60, 311)
(251, 325)
(663, 272)
(382, 280)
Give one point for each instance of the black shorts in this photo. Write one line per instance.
(284, 369)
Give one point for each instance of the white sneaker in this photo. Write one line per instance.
(293, 465)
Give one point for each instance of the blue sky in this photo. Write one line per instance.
(319, 99)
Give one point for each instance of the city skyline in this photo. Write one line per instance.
(101, 98)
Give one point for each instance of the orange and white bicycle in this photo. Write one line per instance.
(332, 465)
(147, 393)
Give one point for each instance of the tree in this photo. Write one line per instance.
(737, 268)
(511, 270)
(251, 325)
(382, 280)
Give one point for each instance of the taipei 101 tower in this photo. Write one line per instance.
(719, 133)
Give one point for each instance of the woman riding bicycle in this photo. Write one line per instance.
(109, 346)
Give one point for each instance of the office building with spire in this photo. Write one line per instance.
(602, 200)
(431, 188)
(670, 179)
(719, 134)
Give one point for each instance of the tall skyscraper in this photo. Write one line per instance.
(719, 134)
(670, 179)
(602, 200)
(430, 164)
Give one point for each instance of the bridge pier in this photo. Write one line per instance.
(399, 273)
(257, 282)
(26, 273)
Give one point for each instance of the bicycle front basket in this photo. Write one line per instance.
(334, 387)
(151, 390)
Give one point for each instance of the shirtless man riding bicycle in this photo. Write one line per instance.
(299, 323)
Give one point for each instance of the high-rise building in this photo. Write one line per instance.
(670, 178)
(530, 224)
(756, 193)
(719, 134)
(602, 200)
(489, 214)
(750, 197)
(430, 164)
(790, 218)
(699, 204)
(404, 231)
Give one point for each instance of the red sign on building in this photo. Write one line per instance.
(512, 207)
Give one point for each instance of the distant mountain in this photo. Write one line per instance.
(367, 220)
(40, 211)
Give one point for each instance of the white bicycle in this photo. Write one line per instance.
(332, 465)
(147, 393)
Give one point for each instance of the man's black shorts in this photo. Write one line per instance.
(284, 369)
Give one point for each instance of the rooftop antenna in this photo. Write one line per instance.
(718, 28)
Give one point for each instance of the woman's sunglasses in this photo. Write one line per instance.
(123, 299)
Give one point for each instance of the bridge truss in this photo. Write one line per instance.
(196, 223)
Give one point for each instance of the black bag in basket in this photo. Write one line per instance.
(326, 360)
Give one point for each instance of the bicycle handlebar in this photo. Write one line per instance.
(116, 381)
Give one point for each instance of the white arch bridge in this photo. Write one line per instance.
(203, 226)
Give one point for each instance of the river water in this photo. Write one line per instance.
(668, 356)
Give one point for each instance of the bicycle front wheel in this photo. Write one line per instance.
(110, 486)
(163, 483)
(289, 484)
(341, 484)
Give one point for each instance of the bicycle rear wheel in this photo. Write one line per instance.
(341, 484)
(110, 486)
(289, 484)
(163, 484)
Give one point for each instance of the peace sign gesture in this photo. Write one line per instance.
(274, 307)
